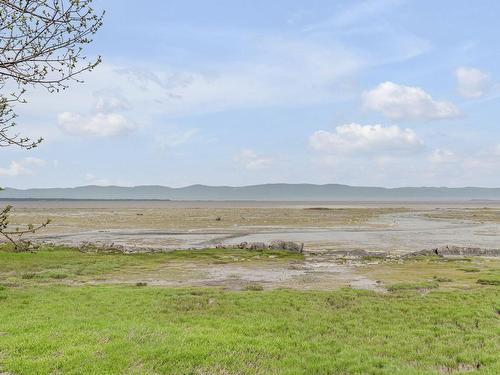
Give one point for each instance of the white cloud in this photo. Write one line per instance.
(279, 72)
(356, 138)
(104, 120)
(25, 166)
(472, 82)
(253, 161)
(443, 156)
(97, 125)
(109, 102)
(399, 102)
(177, 139)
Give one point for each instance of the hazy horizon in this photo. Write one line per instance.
(265, 192)
(249, 185)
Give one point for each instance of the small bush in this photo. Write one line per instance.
(442, 279)
(413, 286)
(339, 301)
(371, 258)
(495, 282)
(253, 287)
(141, 283)
(58, 276)
(469, 269)
(28, 275)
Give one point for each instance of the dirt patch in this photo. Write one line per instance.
(314, 272)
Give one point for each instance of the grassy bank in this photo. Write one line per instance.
(50, 264)
(152, 330)
(59, 315)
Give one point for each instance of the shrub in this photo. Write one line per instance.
(469, 269)
(253, 287)
(28, 275)
(58, 276)
(489, 282)
(442, 279)
(413, 286)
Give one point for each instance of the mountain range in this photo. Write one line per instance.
(269, 192)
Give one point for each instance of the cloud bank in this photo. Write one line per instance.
(366, 139)
(398, 102)
(22, 167)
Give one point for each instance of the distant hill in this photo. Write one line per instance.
(275, 192)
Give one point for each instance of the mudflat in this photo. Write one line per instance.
(391, 227)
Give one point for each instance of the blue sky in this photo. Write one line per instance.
(382, 92)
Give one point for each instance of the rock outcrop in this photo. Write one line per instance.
(273, 245)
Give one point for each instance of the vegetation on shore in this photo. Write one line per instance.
(54, 324)
(156, 330)
(72, 264)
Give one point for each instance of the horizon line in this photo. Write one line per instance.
(251, 185)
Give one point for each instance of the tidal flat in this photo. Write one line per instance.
(140, 288)
(392, 227)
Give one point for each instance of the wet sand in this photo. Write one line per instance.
(392, 227)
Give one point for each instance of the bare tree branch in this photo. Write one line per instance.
(41, 44)
(15, 236)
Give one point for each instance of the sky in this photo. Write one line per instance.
(240, 92)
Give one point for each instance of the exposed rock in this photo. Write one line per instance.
(256, 246)
(286, 245)
(274, 245)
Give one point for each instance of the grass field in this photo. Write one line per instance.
(52, 324)
(70, 264)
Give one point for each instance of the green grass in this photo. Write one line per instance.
(231, 254)
(151, 330)
(63, 262)
(424, 285)
(440, 279)
(469, 269)
(50, 328)
(448, 273)
(254, 287)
